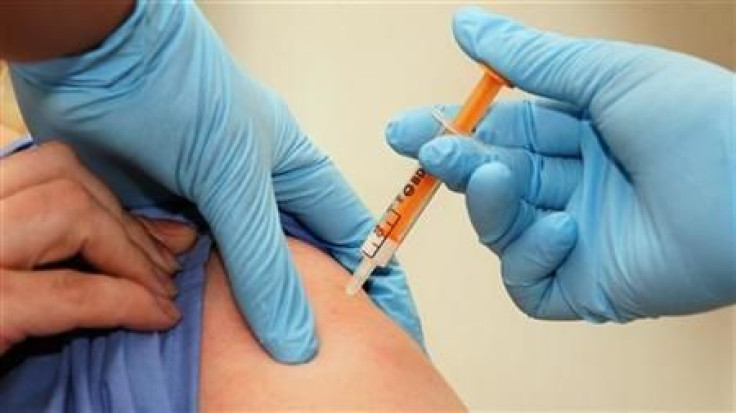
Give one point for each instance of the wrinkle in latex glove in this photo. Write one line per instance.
(612, 198)
(160, 110)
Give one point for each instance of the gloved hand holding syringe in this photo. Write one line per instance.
(415, 195)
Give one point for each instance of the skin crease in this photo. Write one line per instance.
(365, 362)
(53, 209)
(374, 358)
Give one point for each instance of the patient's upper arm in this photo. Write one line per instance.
(365, 361)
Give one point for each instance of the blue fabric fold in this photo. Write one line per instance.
(119, 370)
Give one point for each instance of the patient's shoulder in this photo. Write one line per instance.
(365, 361)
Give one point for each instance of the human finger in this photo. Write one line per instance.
(59, 219)
(544, 181)
(536, 128)
(529, 266)
(497, 212)
(312, 190)
(154, 248)
(244, 219)
(41, 303)
(539, 128)
(55, 160)
(408, 131)
(176, 236)
(543, 63)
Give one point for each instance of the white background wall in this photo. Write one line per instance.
(346, 68)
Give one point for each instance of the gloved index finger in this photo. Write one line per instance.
(543, 63)
(310, 188)
(408, 131)
(245, 222)
(519, 124)
(529, 126)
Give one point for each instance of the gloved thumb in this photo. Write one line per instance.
(264, 281)
(543, 63)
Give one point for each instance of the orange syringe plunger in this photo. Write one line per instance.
(416, 193)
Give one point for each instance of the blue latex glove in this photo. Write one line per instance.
(162, 101)
(613, 198)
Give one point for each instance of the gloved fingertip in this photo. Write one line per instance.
(494, 204)
(466, 17)
(406, 132)
(297, 350)
(398, 141)
(472, 24)
(391, 131)
(494, 180)
(436, 154)
(563, 223)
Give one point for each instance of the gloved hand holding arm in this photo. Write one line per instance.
(160, 108)
(610, 199)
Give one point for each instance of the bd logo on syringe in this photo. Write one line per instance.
(393, 215)
(409, 204)
(415, 180)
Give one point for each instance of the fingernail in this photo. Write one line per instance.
(160, 261)
(169, 308)
(290, 352)
(172, 264)
(167, 284)
(171, 289)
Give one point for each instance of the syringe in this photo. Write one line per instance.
(416, 193)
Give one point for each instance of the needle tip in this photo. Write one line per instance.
(360, 276)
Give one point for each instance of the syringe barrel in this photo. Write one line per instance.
(419, 189)
(400, 216)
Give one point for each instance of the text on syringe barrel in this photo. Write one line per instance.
(419, 189)
(401, 214)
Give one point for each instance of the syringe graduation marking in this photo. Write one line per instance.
(392, 217)
(415, 195)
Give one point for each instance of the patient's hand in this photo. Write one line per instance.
(365, 361)
(53, 209)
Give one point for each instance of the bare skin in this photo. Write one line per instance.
(57, 211)
(60, 210)
(365, 362)
(41, 29)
